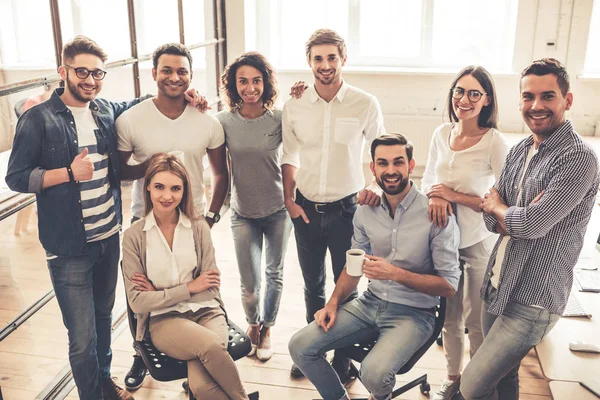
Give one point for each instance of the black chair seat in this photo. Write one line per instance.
(164, 368)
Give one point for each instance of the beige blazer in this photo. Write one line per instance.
(134, 261)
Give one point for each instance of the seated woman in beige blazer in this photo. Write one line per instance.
(172, 283)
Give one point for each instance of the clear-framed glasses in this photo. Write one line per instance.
(83, 73)
(473, 95)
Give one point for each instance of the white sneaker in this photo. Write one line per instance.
(449, 388)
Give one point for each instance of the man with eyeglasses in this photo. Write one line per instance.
(540, 206)
(65, 151)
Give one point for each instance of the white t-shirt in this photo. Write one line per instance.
(97, 203)
(145, 131)
(472, 171)
(501, 252)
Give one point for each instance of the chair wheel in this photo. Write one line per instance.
(439, 341)
(425, 387)
(186, 386)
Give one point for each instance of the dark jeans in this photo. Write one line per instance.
(329, 230)
(85, 291)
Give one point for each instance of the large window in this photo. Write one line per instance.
(26, 33)
(389, 33)
(592, 58)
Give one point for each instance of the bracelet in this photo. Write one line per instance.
(71, 176)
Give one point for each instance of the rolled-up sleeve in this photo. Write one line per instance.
(24, 173)
(291, 144)
(444, 251)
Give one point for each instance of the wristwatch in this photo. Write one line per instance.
(215, 217)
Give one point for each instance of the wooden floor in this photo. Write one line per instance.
(35, 353)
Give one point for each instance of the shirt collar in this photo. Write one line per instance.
(558, 135)
(151, 221)
(314, 96)
(407, 201)
(59, 105)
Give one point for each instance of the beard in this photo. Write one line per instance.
(74, 90)
(395, 188)
(326, 81)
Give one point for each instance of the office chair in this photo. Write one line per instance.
(359, 351)
(164, 368)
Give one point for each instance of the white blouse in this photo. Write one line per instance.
(472, 171)
(168, 268)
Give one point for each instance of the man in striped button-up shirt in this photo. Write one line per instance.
(540, 205)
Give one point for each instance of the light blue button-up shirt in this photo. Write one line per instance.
(409, 241)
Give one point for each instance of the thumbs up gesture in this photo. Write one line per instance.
(82, 166)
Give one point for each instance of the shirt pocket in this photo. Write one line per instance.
(272, 140)
(55, 154)
(347, 131)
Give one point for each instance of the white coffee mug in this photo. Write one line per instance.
(355, 258)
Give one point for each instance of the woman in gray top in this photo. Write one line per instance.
(253, 137)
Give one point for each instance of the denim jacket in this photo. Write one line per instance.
(46, 139)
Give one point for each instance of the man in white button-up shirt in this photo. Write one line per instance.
(323, 137)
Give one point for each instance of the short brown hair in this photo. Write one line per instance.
(547, 66)
(161, 162)
(392, 139)
(228, 81)
(82, 45)
(326, 36)
(174, 49)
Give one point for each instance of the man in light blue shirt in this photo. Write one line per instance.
(410, 263)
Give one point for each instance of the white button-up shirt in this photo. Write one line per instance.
(325, 141)
(166, 268)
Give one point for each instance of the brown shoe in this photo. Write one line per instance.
(112, 391)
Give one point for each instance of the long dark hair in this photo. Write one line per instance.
(488, 118)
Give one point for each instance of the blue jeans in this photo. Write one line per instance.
(85, 290)
(493, 372)
(248, 236)
(400, 331)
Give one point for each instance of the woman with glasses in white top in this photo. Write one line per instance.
(172, 283)
(466, 157)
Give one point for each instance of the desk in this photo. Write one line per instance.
(557, 361)
(570, 391)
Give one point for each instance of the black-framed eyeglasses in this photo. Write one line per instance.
(473, 95)
(83, 73)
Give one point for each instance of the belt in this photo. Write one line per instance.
(323, 208)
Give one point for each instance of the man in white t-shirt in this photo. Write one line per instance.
(168, 124)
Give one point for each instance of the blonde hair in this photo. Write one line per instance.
(161, 162)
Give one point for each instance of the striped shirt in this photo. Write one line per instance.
(97, 204)
(546, 237)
